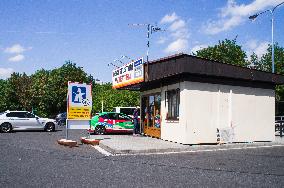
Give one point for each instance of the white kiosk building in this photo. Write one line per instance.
(191, 100)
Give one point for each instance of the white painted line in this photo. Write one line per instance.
(196, 151)
(102, 151)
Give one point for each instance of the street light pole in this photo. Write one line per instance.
(272, 31)
(272, 41)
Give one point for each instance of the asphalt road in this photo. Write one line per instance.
(34, 159)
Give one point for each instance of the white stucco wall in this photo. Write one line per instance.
(242, 114)
(201, 111)
(253, 112)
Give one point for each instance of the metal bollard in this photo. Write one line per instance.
(281, 129)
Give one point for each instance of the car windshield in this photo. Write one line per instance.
(124, 117)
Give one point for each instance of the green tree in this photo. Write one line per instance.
(4, 92)
(254, 62)
(17, 94)
(112, 97)
(265, 64)
(50, 87)
(265, 61)
(39, 91)
(45, 91)
(226, 51)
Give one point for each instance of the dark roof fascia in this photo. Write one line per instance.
(203, 79)
(182, 55)
(184, 67)
(184, 63)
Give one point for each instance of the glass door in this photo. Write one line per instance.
(151, 106)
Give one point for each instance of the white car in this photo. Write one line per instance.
(24, 120)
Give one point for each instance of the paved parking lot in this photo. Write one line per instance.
(34, 159)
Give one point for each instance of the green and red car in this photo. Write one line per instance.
(110, 122)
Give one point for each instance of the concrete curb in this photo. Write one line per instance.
(192, 148)
(93, 142)
(69, 143)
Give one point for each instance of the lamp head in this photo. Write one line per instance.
(253, 17)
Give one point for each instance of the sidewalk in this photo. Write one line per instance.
(128, 144)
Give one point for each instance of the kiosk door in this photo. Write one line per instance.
(151, 106)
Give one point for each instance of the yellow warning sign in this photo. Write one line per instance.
(79, 113)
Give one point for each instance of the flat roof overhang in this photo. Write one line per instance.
(184, 67)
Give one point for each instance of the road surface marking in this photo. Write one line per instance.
(102, 151)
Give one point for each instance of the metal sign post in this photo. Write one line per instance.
(79, 106)
(66, 135)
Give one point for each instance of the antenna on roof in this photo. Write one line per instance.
(120, 61)
(150, 30)
(113, 65)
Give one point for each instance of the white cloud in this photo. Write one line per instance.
(252, 44)
(162, 40)
(16, 49)
(259, 48)
(17, 58)
(233, 15)
(198, 47)
(179, 24)
(178, 34)
(169, 18)
(213, 27)
(181, 33)
(5, 73)
(180, 45)
(233, 9)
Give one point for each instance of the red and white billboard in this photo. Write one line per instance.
(129, 74)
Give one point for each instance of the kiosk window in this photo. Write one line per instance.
(173, 98)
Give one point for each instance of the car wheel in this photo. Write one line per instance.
(50, 127)
(6, 128)
(100, 129)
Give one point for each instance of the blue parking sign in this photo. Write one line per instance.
(78, 94)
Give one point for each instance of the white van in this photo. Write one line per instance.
(125, 110)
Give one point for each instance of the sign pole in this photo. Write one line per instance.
(66, 130)
(66, 121)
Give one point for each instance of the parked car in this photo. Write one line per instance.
(108, 122)
(61, 119)
(125, 110)
(24, 120)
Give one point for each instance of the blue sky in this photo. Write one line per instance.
(93, 33)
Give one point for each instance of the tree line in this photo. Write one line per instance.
(45, 91)
(228, 51)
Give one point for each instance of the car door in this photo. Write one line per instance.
(112, 119)
(124, 122)
(18, 120)
(12, 118)
(33, 121)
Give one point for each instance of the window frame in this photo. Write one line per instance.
(172, 98)
(16, 115)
